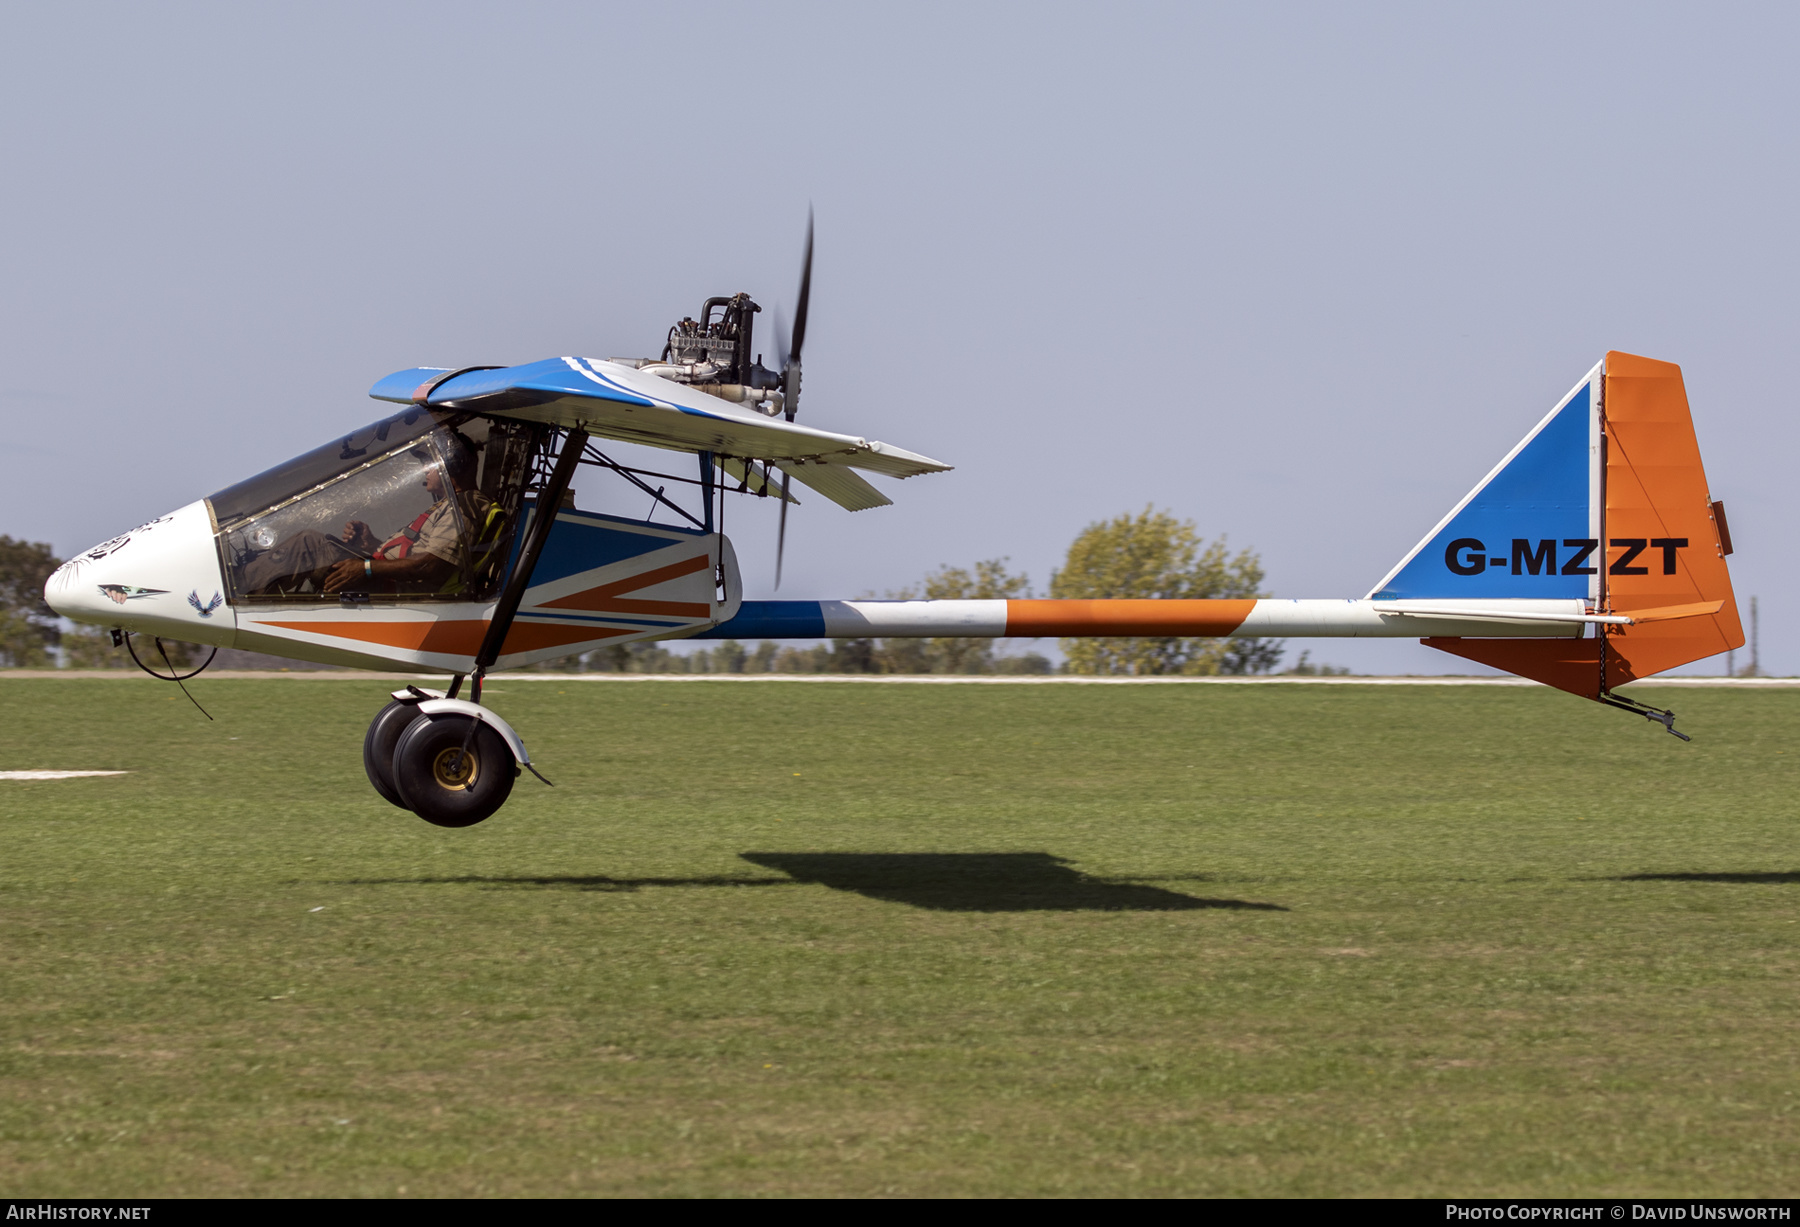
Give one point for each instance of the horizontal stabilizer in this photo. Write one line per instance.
(1674, 613)
(1491, 613)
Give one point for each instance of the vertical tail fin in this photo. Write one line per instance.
(1652, 547)
(1530, 528)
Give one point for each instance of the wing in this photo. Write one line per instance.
(619, 402)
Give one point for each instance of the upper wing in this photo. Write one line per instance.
(618, 402)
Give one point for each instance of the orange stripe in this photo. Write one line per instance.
(606, 597)
(1151, 619)
(461, 637)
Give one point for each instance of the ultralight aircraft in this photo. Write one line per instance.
(442, 538)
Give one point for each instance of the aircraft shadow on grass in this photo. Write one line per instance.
(1752, 878)
(983, 882)
(940, 881)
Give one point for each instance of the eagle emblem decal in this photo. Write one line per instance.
(205, 610)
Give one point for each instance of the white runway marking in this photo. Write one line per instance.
(52, 775)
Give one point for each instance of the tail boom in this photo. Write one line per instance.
(1154, 619)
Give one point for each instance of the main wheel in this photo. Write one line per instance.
(444, 785)
(378, 747)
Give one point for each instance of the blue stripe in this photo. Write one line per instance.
(576, 546)
(587, 364)
(772, 620)
(552, 375)
(625, 393)
(585, 541)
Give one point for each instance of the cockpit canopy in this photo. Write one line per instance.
(436, 490)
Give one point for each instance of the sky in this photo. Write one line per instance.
(1300, 273)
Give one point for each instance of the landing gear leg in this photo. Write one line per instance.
(452, 768)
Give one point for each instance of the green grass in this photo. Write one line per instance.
(915, 940)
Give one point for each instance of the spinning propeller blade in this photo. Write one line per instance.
(790, 377)
(779, 326)
(781, 534)
(790, 365)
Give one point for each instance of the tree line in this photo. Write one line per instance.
(1149, 555)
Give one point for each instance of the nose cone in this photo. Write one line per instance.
(161, 579)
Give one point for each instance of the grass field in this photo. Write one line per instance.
(960, 940)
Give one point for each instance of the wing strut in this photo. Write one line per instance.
(549, 499)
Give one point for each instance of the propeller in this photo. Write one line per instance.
(790, 363)
(790, 378)
(781, 533)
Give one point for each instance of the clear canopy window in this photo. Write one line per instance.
(312, 469)
(414, 511)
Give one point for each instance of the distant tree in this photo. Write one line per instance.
(986, 581)
(816, 659)
(22, 641)
(610, 659)
(1246, 656)
(581, 663)
(1029, 663)
(90, 647)
(729, 657)
(640, 657)
(852, 656)
(1153, 555)
(1302, 668)
(29, 629)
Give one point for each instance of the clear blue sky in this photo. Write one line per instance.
(1299, 272)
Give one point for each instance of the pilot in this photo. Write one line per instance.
(432, 559)
(425, 557)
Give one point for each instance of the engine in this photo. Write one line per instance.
(713, 354)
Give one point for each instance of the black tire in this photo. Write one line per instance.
(385, 731)
(426, 771)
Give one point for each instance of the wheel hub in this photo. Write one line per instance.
(455, 768)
